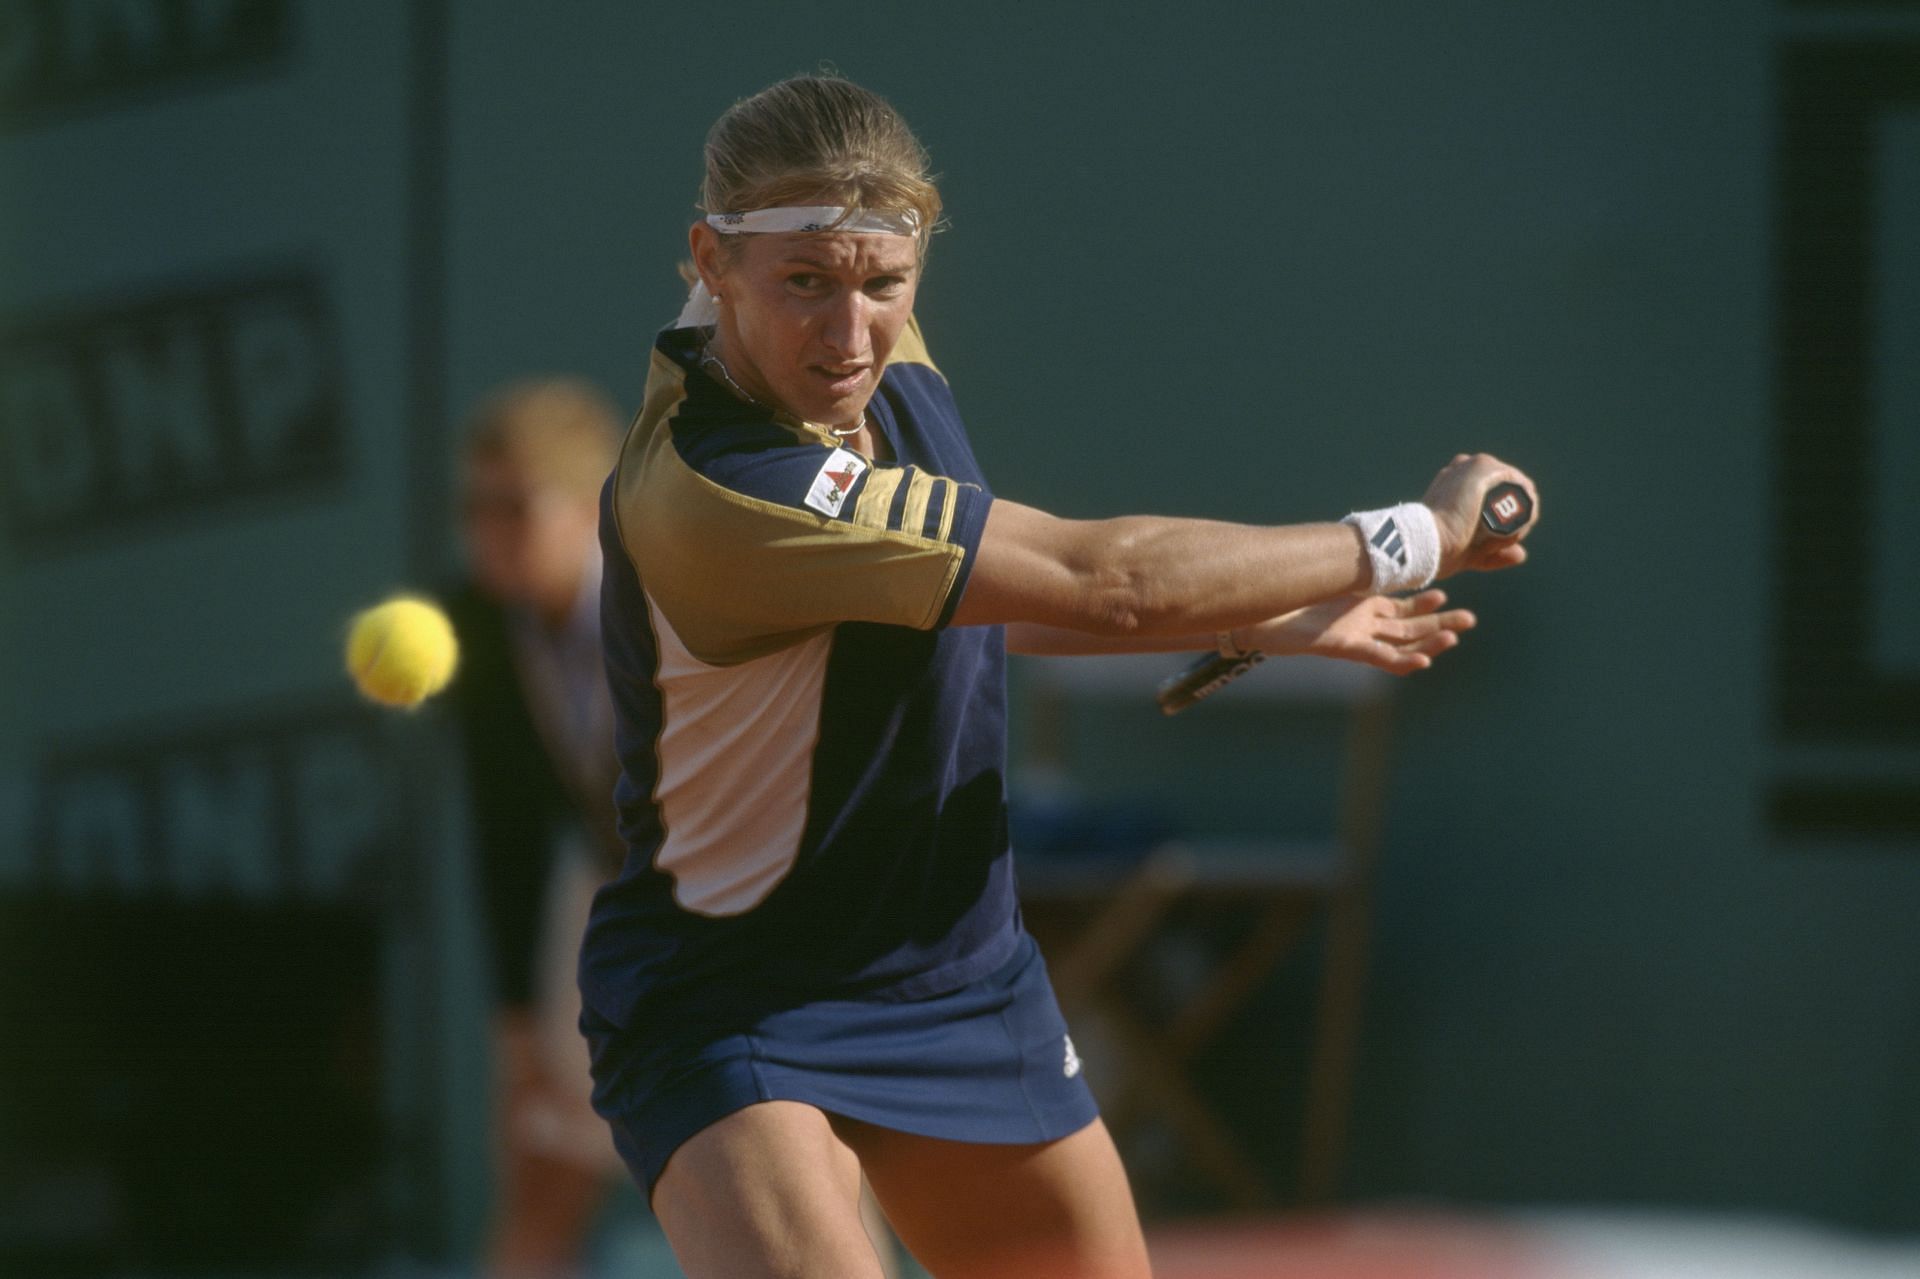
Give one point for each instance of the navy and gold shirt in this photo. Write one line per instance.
(812, 785)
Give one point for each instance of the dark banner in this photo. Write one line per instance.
(1832, 692)
(60, 55)
(297, 805)
(129, 413)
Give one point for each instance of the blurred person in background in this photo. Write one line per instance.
(537, 734)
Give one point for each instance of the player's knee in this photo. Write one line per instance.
(757, 1195)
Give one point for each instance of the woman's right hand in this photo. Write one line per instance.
(1455, 497)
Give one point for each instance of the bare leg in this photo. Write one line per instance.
(554, 1156)
(1061, 1209)
(546, 1207)
(769, 1192)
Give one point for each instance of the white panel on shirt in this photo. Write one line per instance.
(736, 765)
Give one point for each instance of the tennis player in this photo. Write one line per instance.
(812, 964)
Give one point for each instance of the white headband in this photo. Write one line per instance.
(817, 217)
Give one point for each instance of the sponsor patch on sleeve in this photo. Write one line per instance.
(834, 481)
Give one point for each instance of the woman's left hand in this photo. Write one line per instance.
(1398, 635)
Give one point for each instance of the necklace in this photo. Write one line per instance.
(709, 360)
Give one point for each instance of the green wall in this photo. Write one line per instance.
(1262, 262)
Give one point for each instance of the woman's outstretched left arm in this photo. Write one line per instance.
(1399, 635)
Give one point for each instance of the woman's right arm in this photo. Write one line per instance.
(1145, 576)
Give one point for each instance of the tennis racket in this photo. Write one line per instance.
(1505, 511)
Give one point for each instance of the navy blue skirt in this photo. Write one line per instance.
(990, 1062)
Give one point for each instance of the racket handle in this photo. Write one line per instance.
(1207, 676)
(1506, 510)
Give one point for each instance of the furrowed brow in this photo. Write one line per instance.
(818, 264)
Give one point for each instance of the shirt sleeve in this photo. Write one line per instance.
(749, 548)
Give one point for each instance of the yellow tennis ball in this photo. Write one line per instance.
(402, 652)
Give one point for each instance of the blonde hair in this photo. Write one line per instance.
(817, 140)
(562, 433)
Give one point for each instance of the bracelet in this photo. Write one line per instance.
(1403, 545)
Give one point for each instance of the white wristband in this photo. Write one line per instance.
(1403, 543)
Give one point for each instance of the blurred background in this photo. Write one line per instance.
(1641, 915)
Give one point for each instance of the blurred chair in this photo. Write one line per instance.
(1123, 905)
